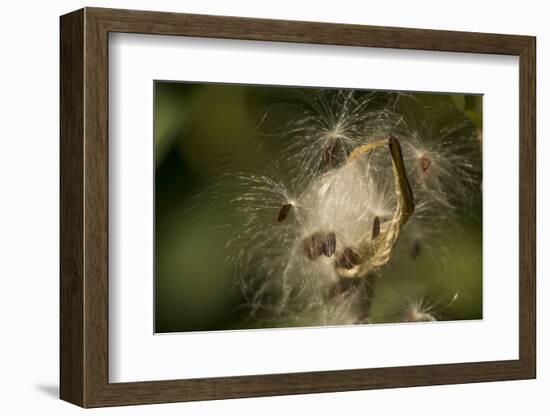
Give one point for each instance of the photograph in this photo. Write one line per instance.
(274, 203)
(293, 206)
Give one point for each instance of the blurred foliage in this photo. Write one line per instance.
(205, 131)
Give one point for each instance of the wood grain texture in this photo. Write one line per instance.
(527, 208)
(72, 215)
(84, 207)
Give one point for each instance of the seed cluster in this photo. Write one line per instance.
(358, 177)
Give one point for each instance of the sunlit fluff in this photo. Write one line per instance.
(442, 156)
(311, 240)
(418, 310)
(277, 275)
(326, 125)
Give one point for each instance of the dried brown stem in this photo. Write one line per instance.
(375, 249)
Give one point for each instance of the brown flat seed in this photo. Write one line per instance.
(308, 246)
(343, 287)
(375, 227)
(425, 163)
(283, 212)
(415, 249)
(331, 153)
(347, 258)
(329, 244)
(319, 244)
(313, 246)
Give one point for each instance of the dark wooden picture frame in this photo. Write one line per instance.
(84, 207)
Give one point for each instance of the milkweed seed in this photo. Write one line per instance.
(347, 258)
(310, 248)
(283, 212)
(319, 244)
(331, 153)
(329, 245)
(425, 163)
(375, 227)
(415, 249)
(344, 287)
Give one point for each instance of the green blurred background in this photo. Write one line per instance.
(205, 131)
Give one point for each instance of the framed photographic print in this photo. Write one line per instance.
(256, 207)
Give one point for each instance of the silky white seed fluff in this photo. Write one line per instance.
(319, 193)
